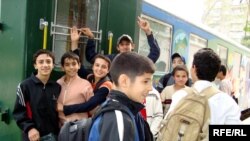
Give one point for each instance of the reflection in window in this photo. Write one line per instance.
(195, 43)
(222, 52)
(68, 13)
(163, 33)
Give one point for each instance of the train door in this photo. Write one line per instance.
(12, 58)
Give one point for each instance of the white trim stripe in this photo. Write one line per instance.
(20, 95)
(120, 124)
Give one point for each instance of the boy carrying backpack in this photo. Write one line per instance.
(188, 117)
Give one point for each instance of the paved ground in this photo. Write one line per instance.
(246, 121)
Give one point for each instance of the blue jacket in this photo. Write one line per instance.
(154, 53)
(105, 126)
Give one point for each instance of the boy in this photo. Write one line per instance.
(35, 108)
(167, 79)
(225, 85)
(124, 42)
(223, 109)
(121, 119)
(75, 90)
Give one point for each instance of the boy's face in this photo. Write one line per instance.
(100, 68)
(180, 77)
(70, 66)
(44, 65)
(125, 46)
(219, 75)
(140, 87)
(177, 61)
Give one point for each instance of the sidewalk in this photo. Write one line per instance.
(246, 121)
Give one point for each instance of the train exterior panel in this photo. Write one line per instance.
(176, 34)
(22, 28)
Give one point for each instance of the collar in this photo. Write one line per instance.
(133, 106)
(38, 81)
(201, 85)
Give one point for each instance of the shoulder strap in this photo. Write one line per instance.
(209, 92)
(101, 81)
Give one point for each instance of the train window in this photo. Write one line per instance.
(222, 52)
(235, 64)
(68, 13)
(163, 34)
(195, 43)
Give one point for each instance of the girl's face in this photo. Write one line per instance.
(100, 68)
(180, 77)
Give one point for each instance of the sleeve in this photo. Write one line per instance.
(20, 113)
(154, 53)
(111, 122)
(90, 52)
(99, 97)
(159, 86)
(107, 84)
(157, 115)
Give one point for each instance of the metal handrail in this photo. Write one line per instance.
(54, 26)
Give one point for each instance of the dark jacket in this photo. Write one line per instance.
(107, 123)
(154, 53)
(35, 106)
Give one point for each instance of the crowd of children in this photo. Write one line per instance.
(134, 109)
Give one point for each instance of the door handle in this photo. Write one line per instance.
(4, 115)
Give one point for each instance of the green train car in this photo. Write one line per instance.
(28, 25)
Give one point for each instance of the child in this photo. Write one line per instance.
(100, 83)
(124, 42)
(131, 74)
(35, 108)
(180, 75)
(75, 90)
(168, 79)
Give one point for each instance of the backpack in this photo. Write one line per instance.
(189, 120)
(78, 130)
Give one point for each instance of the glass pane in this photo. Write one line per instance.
(195, 44)
(163, 33)
(80, 13)
(222, 52)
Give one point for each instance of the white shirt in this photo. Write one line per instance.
(154, 110)
(223, 109)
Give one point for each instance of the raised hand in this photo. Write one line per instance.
(75, 35)
(144, 25)
(86, 31)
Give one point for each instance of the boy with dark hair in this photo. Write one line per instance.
(167, 79)
(204, 69)
(121, 119)
(75, 90)
(124, 42)
(35, 108)
(225, 85)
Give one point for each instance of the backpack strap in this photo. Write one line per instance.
(206, 93)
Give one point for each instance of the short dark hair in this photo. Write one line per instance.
(69, 55)
(132, 64)
(43, 51)
(180, 68)
(223, 69)
(104, 58)
(207, 64)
